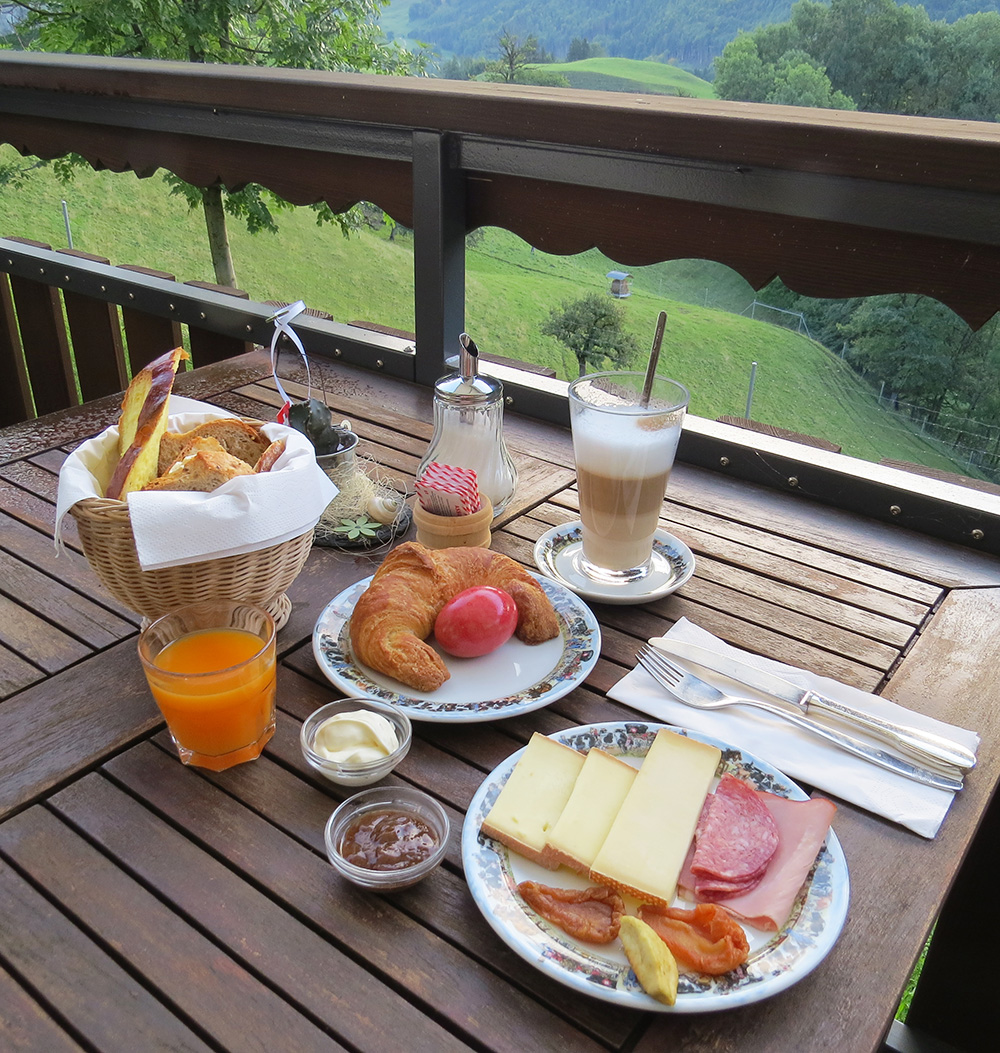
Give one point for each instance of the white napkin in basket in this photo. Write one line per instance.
(172, 527)
(797, 753)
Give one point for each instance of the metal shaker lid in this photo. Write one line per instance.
(468, 387)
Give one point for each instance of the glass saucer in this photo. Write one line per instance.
(557, 550)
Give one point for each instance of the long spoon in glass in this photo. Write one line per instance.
(654, 358)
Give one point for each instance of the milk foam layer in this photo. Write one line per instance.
(616, 445)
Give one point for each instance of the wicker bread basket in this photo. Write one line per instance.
(259, 577)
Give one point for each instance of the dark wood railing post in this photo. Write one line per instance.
(96, 334)
(43, 338)
(207, 346)
(438, 253)
(148, 335)
(15, 390)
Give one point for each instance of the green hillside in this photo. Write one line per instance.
(510, 290)
(631, 75)
(690, 32)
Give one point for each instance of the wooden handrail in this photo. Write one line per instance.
(836, 204)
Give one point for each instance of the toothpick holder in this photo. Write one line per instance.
(473, 530)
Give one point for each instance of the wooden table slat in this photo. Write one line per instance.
(31, 477)
(471, 998)
(793, 593)
(68, 566)
(64, 616)
(75, 975)
(328, 985)
(24, 1023)
(203, 983)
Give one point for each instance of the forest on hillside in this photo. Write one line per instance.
(688, 32)
(877, 56)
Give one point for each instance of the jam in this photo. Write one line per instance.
(387, 839)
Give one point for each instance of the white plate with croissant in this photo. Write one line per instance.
(515, 678)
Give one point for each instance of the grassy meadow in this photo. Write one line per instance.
(633, 75)
(510, 291)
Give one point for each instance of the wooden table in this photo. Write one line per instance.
(145, 905)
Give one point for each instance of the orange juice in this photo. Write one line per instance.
(215, 688)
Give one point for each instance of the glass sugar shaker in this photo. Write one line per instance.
(468, 427)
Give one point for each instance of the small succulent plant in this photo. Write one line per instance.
(360, 527)
(315, 421)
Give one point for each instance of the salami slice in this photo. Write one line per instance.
(736, 840)
(711, 889)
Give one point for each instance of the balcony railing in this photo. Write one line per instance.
(836, 204)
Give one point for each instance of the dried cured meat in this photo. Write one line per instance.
(592, 914)
(706, 939)
(734, 843)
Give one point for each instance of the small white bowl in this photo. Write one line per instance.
(404, 799)
(356, 774)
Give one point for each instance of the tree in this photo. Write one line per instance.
(515, 63)
(583, 49)
(915, 344)
(744, 73)
(740, 72)
(303, 34)
(799, 82)
(515, 54)
(593, 328)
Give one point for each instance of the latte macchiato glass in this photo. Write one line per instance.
(624, 451)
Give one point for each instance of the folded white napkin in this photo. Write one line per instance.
(795, 752)
(172, 527)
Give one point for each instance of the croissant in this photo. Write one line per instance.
(396, 613)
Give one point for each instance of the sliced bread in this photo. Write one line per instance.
(204, 466)
(237, 437)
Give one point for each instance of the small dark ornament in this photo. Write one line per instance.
(315, 421)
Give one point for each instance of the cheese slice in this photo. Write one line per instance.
(597, 795)
(533, 797)
(648, 841)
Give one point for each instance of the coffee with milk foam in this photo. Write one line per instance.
(623, 463)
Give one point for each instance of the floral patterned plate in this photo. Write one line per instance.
(559, 549)
(777, 959)
(515, 678)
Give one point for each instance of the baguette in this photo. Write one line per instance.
(142, 422)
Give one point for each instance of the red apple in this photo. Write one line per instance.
(475, 622)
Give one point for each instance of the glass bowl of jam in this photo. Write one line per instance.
(355, 741)
(387, 837)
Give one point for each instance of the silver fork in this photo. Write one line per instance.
(695, 692)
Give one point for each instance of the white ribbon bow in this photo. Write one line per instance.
(282, 319)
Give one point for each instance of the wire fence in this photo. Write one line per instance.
(966, 439)
(973, 441)
(784, 318)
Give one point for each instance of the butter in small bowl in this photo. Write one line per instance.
(355, 741)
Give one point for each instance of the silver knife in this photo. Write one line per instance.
(942, 777)
(918, 743)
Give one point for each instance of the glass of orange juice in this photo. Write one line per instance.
(211, 668)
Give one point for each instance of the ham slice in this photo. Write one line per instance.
(735, 841)
(802, 829)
